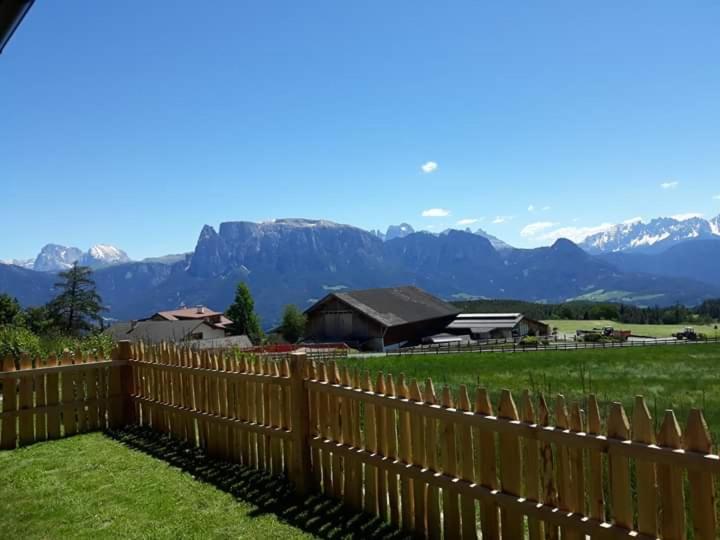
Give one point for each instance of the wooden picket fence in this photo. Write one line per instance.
(435, 466)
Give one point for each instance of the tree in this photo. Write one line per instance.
(38, 320)
(242, 313)
(77, 308)
(9, 309)
(292, 327)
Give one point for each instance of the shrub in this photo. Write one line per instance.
(16, 342)
(529, 341)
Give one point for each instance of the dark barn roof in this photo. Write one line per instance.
(11, 14)
(393, 306)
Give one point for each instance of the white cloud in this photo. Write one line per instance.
(501, 219)
(467, 221)
(435, 212)
(531, 208)
(534, 228)
(430, 166)
(545, 208)
(717, 197)
(632, 220)
(576, 234)
(670, 185)
(686, 216)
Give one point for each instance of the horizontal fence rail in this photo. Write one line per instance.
(434, 463)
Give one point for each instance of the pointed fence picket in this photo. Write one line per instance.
(437, 466)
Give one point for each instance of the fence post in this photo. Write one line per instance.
(301, 472)
(120, 409)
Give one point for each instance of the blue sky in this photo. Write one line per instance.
(135, 123)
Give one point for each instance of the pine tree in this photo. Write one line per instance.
(77, 308)
(242, 314)
(292, 327)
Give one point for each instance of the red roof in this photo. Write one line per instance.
(194, 313)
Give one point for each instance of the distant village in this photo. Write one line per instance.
(376, 320)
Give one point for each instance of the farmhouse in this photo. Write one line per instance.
(496, 326)
(375, 319)
(165, 331)
(197, 313)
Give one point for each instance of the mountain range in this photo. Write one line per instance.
(300, 260)
(56, 258)
(652, 237)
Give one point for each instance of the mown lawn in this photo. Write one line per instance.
(650, 330)
(135, 483)
(678, 377)
(91, 486)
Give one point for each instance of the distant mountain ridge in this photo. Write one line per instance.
(652, 237)
(301, 260)
(57, 258)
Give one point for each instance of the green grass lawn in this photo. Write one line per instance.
(650, 330)
(98, 486)
(678, 377)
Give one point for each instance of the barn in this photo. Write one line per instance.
(496, 326)
(377, 319)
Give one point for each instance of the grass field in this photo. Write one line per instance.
(92, 486)
(668, 376)
(650, 330)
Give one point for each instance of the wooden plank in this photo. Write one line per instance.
(325, 433)
(92, 407)
(9, 423)
(79, 383)
(433, 463)
(618, 428)
(420, 457)
(531, 460)
(670, 482)
(314, 430)
(486, 467)
(335, 410)
(357, 496)
(564, 490)
(68, 398)
(52, 393)
(405, 455)
(392, 453)
(707, 463)
(596, 495)
(510, 467)
(370, 501)
(467, 468)
(702, 490)
(381, 448)
(346, 420)
(448, 456)
(40, 403)
(26, 418)
(642, 431)
(577, 468)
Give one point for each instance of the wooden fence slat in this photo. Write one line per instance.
(315, 409)
(392, 453)
(79, 383)
(92, 412)
(577, 466)
(357, 493)
(467, 468)
(487, 467)
(531, 460)
(9, 423)
(618, 427)
(642, 431)
(52, 393)
(26, 418)
(336, 412)
(405, 455)
(381, 448)
(510, 467)
(68, 399)
(370, 502)
(40, 401)
(670, 482)
(596, 495)
(702, 491)
(431, 461)
(448, 453)
(420, 457)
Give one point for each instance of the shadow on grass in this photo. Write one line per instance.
(318, 515)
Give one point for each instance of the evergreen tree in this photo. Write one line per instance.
(242, 314)
(77, 308)
(292, 327)
(9, 309)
